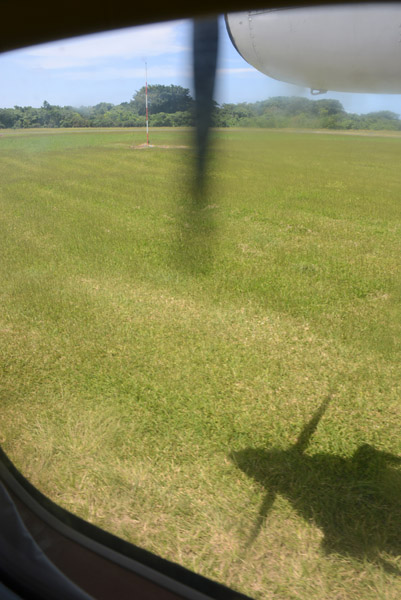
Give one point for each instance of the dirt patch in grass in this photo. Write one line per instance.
(165, 146)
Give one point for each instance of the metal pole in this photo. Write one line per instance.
(146, 104)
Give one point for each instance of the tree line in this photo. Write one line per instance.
(172, 106)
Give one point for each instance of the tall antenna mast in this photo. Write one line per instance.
(146, 103)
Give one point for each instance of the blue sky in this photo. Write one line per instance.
(110, 67)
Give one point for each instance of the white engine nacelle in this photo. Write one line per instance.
(354, 48)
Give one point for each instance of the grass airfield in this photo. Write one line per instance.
(220, 386)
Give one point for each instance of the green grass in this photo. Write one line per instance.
(156, 376)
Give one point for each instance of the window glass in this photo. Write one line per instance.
(216, 381)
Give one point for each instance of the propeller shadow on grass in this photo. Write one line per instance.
(355, 502)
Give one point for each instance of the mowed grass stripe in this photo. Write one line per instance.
(162, 403)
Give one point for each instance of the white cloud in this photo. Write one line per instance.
(135, 42)
(114, 73)
(235, 70)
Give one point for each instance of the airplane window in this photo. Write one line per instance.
(200, 353)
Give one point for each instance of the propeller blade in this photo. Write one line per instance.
(205, 48)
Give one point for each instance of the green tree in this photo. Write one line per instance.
(162, 99)
(102, 108)
(383, 119)
(50, 115)
(7, 117)
(328, 107)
